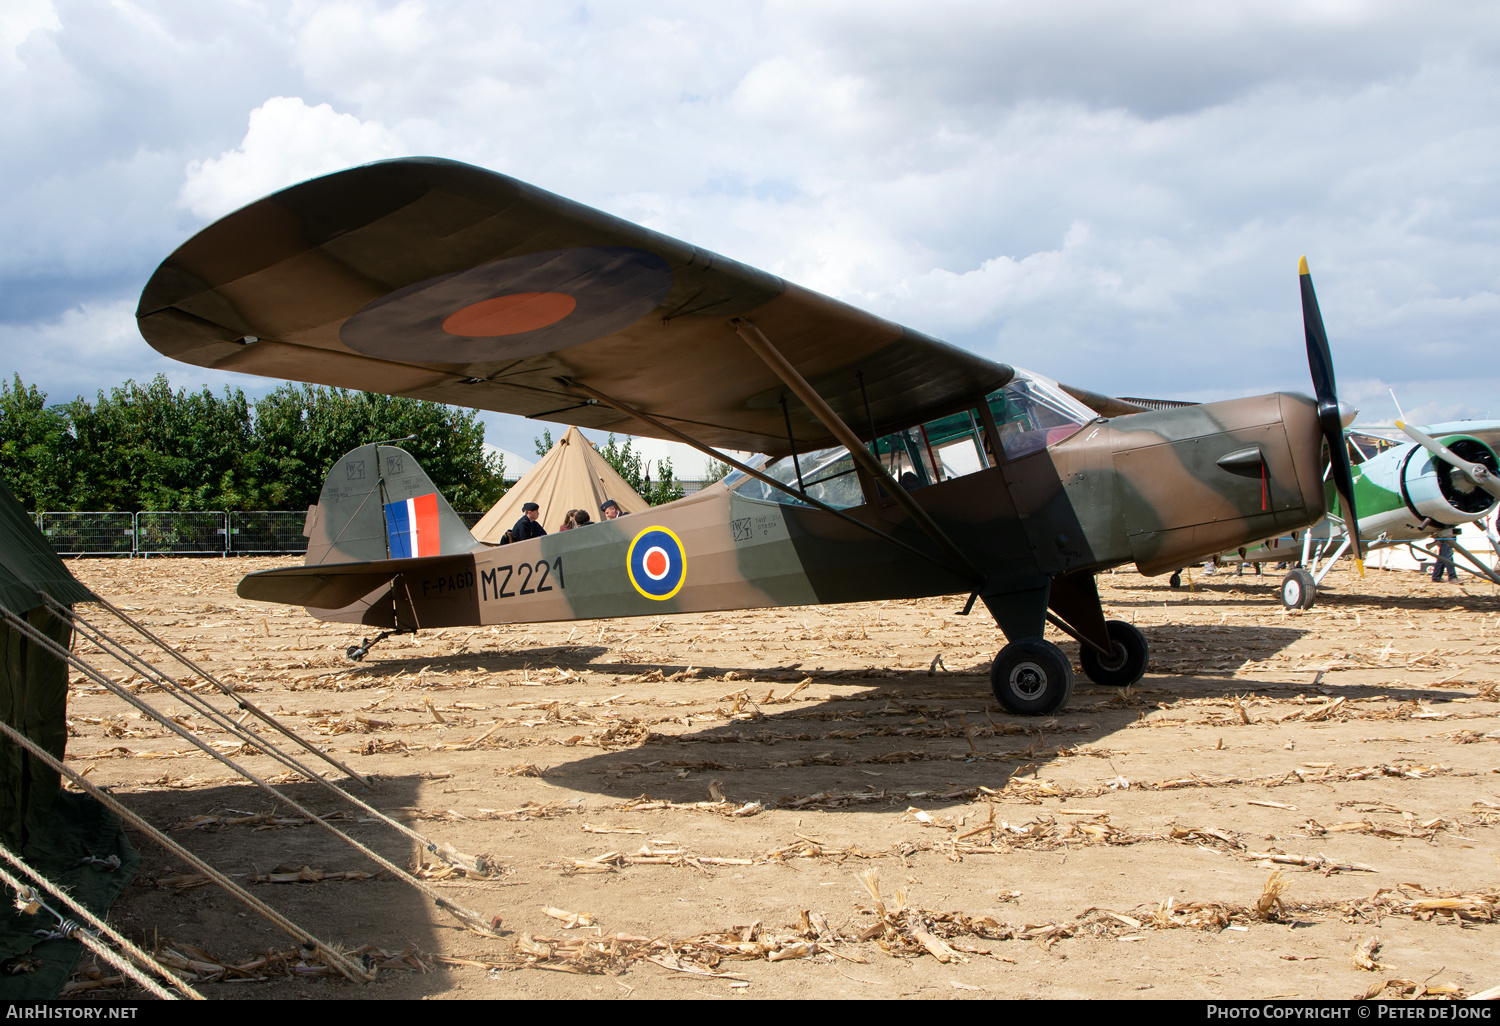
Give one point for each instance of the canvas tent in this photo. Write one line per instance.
(51, 829)
(571, 476)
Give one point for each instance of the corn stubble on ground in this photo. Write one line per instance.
(826, 801)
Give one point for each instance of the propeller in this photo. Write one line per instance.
(1320, 362)
(1476, 472)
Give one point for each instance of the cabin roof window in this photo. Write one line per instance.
(1033, 412)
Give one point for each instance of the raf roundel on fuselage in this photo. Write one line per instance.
(657, 564)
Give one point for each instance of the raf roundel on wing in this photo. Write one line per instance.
(521, 306)
(656, 563)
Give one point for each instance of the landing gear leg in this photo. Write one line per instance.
(1030, 676)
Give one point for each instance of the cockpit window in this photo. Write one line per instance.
(828, 474)
(939, 450)
(1032, 412)
(917, 456)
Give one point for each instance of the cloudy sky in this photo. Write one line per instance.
(1114, 193)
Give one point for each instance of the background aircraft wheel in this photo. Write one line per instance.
(1176, 579)
(1298, 590)
(1128, 663)
(1031, 677)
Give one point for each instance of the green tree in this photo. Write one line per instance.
(147, 447)
(302, 430)
(35, 444)
(714, 470)
(628, 464)
(543, 444)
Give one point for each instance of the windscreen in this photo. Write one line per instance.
(1032, 412)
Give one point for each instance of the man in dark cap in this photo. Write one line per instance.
(610, 509)
(528, 526)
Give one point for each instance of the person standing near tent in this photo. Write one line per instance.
(528, 526)
(610, 509)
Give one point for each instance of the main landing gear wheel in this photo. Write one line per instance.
(1298, 590)
(1031, 678)
(1127, 662)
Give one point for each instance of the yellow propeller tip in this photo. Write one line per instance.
(1361, 564)
(1302, 266)
(1401, 425)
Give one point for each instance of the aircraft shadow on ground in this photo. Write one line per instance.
(892, 733)
(564, 657)
(906, 736)
(350, 914)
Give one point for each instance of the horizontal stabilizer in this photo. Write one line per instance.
(330, 586)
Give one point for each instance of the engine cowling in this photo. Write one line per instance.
(1422, 491)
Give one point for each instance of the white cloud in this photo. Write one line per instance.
(287, 142)
(90, 347)
(1112, 191)
(19, 19)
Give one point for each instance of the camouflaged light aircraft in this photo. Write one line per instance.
(896, 466)
(1408, 494)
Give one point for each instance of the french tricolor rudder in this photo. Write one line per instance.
(412, 527)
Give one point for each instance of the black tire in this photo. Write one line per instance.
(1298, 589)
(1175, 580)
(1131, 654)
(1031, 678)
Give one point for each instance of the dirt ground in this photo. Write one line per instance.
(709, 804)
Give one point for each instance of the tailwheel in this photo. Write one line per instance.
(1031, 678)
(1298, 590)
(1175, 580)
(1126, 663)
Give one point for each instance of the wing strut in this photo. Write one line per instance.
(783, 369)
(780, 486)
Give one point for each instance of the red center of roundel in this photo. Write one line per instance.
(509, 315)
(656, 563)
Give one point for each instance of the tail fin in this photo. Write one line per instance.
(377, 503)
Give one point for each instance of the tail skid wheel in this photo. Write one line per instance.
(1031, 678)
(1126, 665)
(1298, 590)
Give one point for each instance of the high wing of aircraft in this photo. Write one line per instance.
(896, 465)
(1410, 494)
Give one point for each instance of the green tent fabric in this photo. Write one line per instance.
(58, 833)
(28, 564)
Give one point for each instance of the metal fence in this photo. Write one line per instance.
(167, 533)
(79, 534)
(182, 534)
(262, 532)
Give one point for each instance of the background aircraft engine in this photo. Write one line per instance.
(1422, 486)
(1444, 493)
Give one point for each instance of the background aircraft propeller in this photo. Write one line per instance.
(1320, 362)
(1476, 472)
